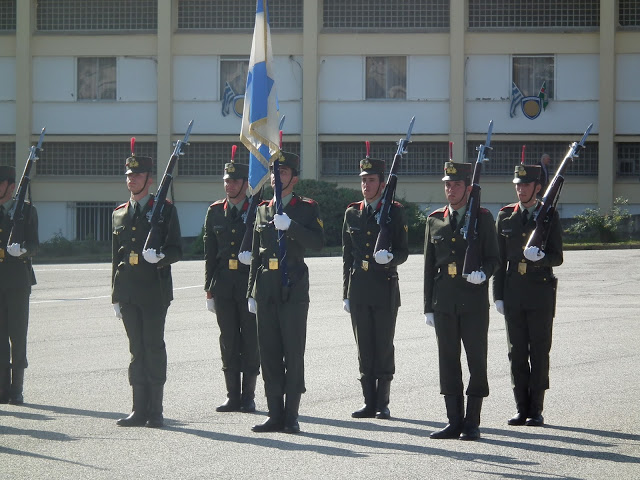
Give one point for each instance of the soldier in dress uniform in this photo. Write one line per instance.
(370, 287)
(281, 311)
(142, 290)
(524, 291)
(16, 279)
(226, 286)
(458, 307)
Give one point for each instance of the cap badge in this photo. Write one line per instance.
(231, 168)
(450, 169)
(521, 171)
(134, 163)
(365, 164)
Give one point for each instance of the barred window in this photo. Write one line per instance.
(208, 158)
(423, 158)
(629, 13)
(92, 15)
(530, 72)
(383, 14)
(237, 14)
(628, 159)
(93, 220)
(386, 77)
(7, 153)
(8, 15)
(97, 158)
(525, 14)
(96, 78)
(504, 156)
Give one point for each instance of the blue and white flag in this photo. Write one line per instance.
(260, 114)
(516, 98)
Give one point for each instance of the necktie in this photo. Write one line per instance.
(1, 212)
(525, 217)
(233, 213)
(136, 211)
(454, 220)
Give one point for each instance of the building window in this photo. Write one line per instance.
(534, 14)
(93, 220)
(7, 153)
(343, 158)
(531, 71)
(386, 77)
(96, 78)
(504, 156)
(629, 13)
(8, 15)
(376, 15)
(628, 159)
(92, 15)
(237, 14)
(208, 158)
(233, 82)
(98, 158)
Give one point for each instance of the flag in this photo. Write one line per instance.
(543, 95)
(227, 98)
(516, 98)
(259, 131)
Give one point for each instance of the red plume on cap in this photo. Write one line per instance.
(451, 151)
(522, 156)
(133, 146)
(368, 144)
(234, 149)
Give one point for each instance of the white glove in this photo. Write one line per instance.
(476, 277)
(251, 305)
(533, 254)
(500, 306)
(245, 257)
(430, 319)
(151, 256)
(116, 309)
(211, 305)
(383, 257)
(15, 250)
(346, 305)
(281, 222)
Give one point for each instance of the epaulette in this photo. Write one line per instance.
(263, 202)
(121, 206)
(440, 210)
(217, 202)
(397, 204)
(483, 210)
(309, 200)
(354, 204)
(511, 206)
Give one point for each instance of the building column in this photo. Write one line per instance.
(309, 135)
(165, 80)
(23, 84)
(607, 163)
(457, 27)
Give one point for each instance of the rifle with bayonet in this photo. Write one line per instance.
(473, 254)
(155, 215)
(544, 214)
(17, 213)
(383, 241)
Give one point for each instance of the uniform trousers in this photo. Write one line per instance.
(14, 322)
(282, 335)
(238, 336)
(374, 329)
(145, 328)
(529, 335)
(471, 329)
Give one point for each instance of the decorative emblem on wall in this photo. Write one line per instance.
(231, 99)
(531, 106)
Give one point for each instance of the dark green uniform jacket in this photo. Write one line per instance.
(365, 281)
(134, 280)
(445, 290)
(16, 272)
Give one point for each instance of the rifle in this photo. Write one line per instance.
(544, 214)
(155, 216)
(17, 212)
(383, 241)
(472, 256)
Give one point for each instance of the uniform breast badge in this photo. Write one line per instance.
(452, 269)
(233, 264)
(522, 268)
(133, 258)
(273, 264)
(365, 265)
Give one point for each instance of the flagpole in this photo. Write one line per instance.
(282, 239)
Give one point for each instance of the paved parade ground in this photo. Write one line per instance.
(76, 388)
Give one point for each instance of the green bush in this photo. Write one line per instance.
(59, 246)
(595, 226)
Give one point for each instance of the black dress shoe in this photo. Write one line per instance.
(535, 421)
(16, 399)
(448, 432)
(518, 419)
(231, 405)
(269, 425)
(383, 414)
(471, 432)
(134, 419)
(247, 405)
(364, 412)
(292, 427)
(155, 421)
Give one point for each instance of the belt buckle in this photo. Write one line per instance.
(133, 258)
(273, 264)
(522, 268)
(365, 265)
(233, 264)
(2, 253)
(452, 269)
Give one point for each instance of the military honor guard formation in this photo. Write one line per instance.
(257, 284)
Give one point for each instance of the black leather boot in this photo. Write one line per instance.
(17, 382)
(534, 417)
(5, 385)
(382, 399)
(522, 405)
(138, 415)
(455, 414)
(232, 381)
(275, 420)
(368, 410)
(291, 407)
(155, 420)
(471, 425)
(247, 399)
